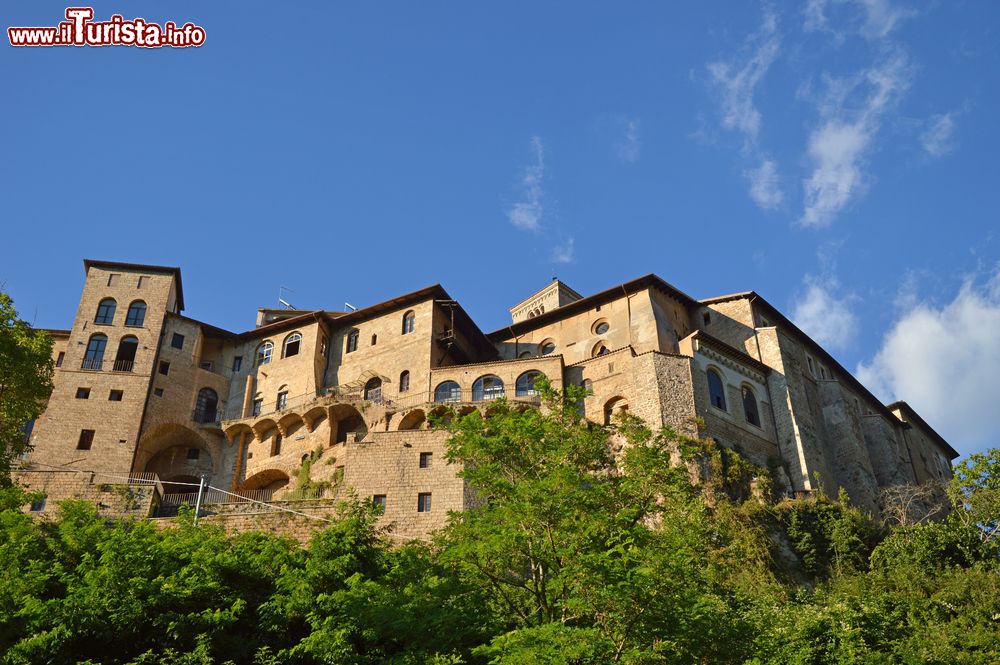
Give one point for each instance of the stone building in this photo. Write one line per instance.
(311, 403)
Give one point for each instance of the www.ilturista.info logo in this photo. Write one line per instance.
(81, 30)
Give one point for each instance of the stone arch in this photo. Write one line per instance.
(262, 427)
(414, 419)
(443, 412)
(273, 479)
(289, 423)
(234, 431)
(314, 417)
(614, 406)
(165, 451)
(344, 419)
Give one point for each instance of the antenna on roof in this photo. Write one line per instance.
(281, 300)
(350, 307)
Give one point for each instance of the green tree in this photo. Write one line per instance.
(584, 557)
(25, 382)
(975, 494)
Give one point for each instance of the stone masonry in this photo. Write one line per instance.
(311, 406)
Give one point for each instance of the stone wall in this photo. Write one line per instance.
(115, 422)
(113, 494)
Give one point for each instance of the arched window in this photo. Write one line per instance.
(750, 406)
(95, 352)
(449, 391)
(373, 389)
(106, 311)
(486, 388)
(352, 340)
(207, 407)
(136, 315)
(264, 352)
(525, 354)
(409, 321)
(600, 350)
(292, 344)
(404, 381)
(547, 347)
(716, 390)
(525, 384)
(125, 358)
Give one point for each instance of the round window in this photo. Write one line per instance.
(602, 328)
(548, 347)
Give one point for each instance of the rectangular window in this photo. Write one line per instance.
(276, 445)
(282, 403)
(374, 340)
(59, 360)
(158, 392)
(237, 363)
(83, 393)
(177, 341)
(425, 460)
(258, 404)
(86, 439)
(207, 364)
(193, 453)
(38, 505)
(322, 346)
(379, 502)
(707, 318)
(352, 341)
(115, 395)
(424, 502)
(812, 368)
(164, 367)
(142, 281)
(113, 279)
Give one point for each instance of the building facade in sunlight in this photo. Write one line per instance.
(312, 404)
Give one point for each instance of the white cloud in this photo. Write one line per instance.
(945, 362)
(938, 137)
(629, 147)
(764, 189)
(564, 253)
(827, 318)
(527, 213)
(838, 146)
(881, 17)
(737, 81)
(873, 19)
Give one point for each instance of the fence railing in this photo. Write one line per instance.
(92, 363)
(123, 366)
(214, 496)
(207, 416)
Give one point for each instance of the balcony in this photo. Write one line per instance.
(92, 364)
(123, 366)
(207, 416)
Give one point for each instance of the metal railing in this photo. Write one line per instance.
(207, 416)
(123, 366)
(92, 363)
(214, 496)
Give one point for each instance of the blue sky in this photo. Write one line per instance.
(836, 156)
